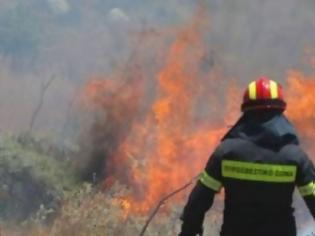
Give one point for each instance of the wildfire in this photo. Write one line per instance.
(125, 205)
(301, 106)
(168, 142)
(168, 138)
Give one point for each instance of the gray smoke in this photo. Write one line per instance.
(268, 37)
(77, 39)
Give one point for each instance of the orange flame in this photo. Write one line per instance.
(170, 141)
(301, 106)
(170, 144)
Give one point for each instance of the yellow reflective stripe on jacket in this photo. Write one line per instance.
(308, 189)
(258, 172)
(209, 181)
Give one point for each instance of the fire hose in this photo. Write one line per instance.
(162, 202)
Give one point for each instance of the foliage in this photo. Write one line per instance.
(33, 168)
(28, 173)
(92, 212)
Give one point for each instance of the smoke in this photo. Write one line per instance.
(77, 39)
(59, 6)
(262, 37)
(145, 150)
(125, 45)
(116, 14)
(250, 37)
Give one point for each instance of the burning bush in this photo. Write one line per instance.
(149, 139)
(154, 124)
(167, 141)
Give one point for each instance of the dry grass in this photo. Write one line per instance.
(88, 212)
(80, 209)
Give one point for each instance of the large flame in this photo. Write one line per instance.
(301, 106)
(170, 143)
(166, 137)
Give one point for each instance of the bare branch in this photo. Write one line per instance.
(68, 114)
(43, 91)
(162, 202)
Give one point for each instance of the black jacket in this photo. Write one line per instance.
(258, 163)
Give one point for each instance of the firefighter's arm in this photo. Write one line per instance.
(201, 197)
(306, 182)
(199, 202)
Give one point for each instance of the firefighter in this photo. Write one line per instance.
(259, 163)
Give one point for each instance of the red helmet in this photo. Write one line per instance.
(263, 94)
